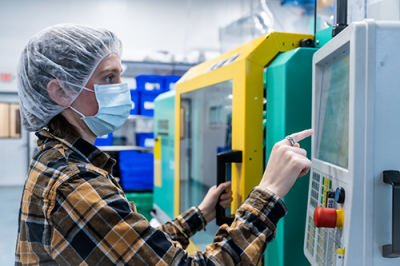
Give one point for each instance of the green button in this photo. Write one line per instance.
(330, 183)
(322, 190)
(323, 181)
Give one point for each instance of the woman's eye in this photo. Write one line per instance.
(109, 79)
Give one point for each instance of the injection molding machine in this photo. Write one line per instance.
(228, 114)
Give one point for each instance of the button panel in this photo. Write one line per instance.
(325, 188)
(320, 241)
(332, 251)
(321, 246)
(314, 189)
(311, 235)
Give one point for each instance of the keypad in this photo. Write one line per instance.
(315, 185)
(319, 242)
(315, 189)
(321, 246)
(316, 177)
(314, 194)
(313, 203)
(325, 188)
(311, 235)
(332, 251)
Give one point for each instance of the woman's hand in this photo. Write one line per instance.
(286, 164)
(207, 207)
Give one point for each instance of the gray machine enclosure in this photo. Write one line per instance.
(374, 144)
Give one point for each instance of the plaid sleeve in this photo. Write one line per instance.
(184, 226)
(246, 239)
(93, 224)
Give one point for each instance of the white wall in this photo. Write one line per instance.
(177, 26)
(375, 9)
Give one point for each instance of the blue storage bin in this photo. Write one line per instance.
(170, 81)
(150, 83)
(135, 158)
(145, 140)
(106, 140)
(141, 183)
(137, 179)
(135, 102)
(137, 170)
(147, 103)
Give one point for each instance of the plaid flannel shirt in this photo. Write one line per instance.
(73, 212)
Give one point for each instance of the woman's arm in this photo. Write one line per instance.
(184, 226)
(95, 224)
(92, 222)
(181, 229)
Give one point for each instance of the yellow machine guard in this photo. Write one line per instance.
(247, 73)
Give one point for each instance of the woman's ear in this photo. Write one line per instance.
(57, 93)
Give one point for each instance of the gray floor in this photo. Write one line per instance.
(10, 200)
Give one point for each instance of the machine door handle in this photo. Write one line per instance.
(223, 158)
(393, 250)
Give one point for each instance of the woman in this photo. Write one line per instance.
(73, 212)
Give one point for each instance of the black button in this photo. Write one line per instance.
(340, 195)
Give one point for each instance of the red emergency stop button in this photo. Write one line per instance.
(328, 217)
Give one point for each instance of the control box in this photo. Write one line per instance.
(353, 212)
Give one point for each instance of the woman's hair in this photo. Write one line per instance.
(68, 53)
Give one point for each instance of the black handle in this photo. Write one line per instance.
(393, 250)
(223, 158)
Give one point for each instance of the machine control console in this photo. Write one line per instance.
(325, 219)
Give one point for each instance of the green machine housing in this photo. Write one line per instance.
(164, 132)
(288, 84)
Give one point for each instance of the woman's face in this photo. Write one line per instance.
(107, 72)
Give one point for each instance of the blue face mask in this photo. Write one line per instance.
(114, 108)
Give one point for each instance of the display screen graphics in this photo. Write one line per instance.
(332, 118)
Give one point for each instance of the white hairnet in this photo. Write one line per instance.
(69, 53)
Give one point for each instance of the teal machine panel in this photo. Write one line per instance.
(289, 92)
(164, 132)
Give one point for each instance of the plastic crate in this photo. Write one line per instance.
(143, 202)
(150, 83)
(145, 140)
(106, 140)
(139, 178)
(135, 102)
(147, 103)
(169, 83)
(135, 158)
(137, 181)
(137, 170)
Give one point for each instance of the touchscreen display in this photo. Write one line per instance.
(333, 114)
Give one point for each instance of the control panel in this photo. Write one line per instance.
(353, 212)
(325, 219)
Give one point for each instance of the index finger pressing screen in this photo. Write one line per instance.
(299, 136)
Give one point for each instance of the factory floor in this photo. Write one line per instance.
(10, 198)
